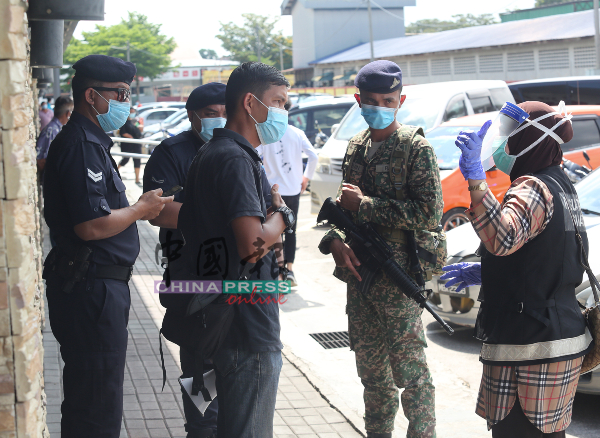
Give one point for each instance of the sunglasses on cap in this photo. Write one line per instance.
(124, 93)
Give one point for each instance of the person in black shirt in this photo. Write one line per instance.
(229, 234)
(87, 272)
(129, 130)
(167, 167)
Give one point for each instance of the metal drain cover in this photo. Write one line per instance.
(332, 339)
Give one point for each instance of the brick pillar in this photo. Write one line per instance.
(22, 399)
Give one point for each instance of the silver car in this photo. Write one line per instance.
(462, 307)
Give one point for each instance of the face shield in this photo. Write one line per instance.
(503, 126)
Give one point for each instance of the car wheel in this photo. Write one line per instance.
(454, 218)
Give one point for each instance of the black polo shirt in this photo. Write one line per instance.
(224, 182)
(81, 183)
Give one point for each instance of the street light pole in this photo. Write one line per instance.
(128, 57)
(597, 29)
(258, 54)
(371, 29)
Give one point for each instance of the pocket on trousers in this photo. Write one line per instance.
(225, 360)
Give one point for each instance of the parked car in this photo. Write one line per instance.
(170, 122)
(426, 105)
(183, 125)
(153, 116)
(586, 129)
(576, 90)
(319, 115)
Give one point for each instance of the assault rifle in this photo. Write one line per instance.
(374, 254)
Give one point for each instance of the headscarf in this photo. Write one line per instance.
(548, 152)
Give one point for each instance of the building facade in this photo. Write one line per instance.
(554, 46)
(324, 27)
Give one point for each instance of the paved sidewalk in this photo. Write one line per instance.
(151, 413)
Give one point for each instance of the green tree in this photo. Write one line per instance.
(208, 54)
(149, 49)
(540, 3)
(460, 21)
(256, 40)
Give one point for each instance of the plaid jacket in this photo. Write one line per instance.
(545, 391)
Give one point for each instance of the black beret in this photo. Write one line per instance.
(212, 93)
(379, 77)
(105, 68)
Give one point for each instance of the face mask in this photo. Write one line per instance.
(115, 118)
(505, 162)
(272, 129)
(208, 125)
(378, 117)
(44, 106)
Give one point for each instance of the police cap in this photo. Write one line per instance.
(105, 69)
(381, 77)
(212, 93)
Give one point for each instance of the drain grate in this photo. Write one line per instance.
(332, 339)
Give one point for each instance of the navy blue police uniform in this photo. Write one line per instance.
(87, 282)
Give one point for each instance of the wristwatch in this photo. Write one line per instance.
(288, 217)
(482, 186)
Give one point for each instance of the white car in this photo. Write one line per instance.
(183, 125)
(426, 105)
(462, 307)
(169, 123)
(157, 115)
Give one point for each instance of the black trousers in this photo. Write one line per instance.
(196, 425)
(90, 324)
(132, 149)
(517, 425)
(289, 251)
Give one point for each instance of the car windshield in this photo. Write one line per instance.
(173, 116)
(415, 111)
(587, 191)
(442, 139)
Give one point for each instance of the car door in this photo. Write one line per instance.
(455, 108)
(586, 137)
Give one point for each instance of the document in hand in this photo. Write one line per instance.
(209, 382)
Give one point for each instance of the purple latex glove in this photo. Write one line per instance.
(467, 274)
(469, 142)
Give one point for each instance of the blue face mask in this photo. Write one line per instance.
(272, 129)
(208, 125)
(378, 117)
(115, 117)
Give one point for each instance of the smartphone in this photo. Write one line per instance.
(172, 191)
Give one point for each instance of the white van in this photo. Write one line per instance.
(426, 105)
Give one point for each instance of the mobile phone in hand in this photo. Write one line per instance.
(171, 191)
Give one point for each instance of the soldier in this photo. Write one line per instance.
(390, 179)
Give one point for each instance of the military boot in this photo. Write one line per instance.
(379, 435)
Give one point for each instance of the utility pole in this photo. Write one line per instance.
(371, 29)
(128, 57)
(597, 29)
(281, 57)
(258, 48)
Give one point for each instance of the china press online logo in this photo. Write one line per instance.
(274, 289)
(223, 287)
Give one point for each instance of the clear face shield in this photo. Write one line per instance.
(503, 126)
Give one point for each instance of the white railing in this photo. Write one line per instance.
(134, 141)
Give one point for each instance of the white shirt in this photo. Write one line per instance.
(283, 161)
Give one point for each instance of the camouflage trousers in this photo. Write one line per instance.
(386, 334)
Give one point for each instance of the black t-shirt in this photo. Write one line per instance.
(81, 183)
(131, 129)
(224, 183)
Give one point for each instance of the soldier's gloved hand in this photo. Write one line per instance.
(467, 274)
(469, 142)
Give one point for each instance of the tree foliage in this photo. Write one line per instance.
(540, 3)
(149, 48)
(208, 54)
(460, 21)
(256, 37)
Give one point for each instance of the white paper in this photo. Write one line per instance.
(209, 382)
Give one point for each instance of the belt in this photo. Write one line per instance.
(114, 272)
(392, 234)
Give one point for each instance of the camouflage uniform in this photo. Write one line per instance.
(385, 327)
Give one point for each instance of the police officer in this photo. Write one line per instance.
(390, 179)
(167, 167)
(97, 244)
